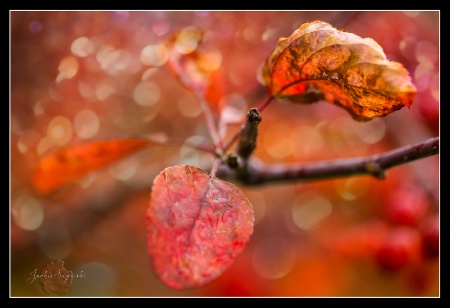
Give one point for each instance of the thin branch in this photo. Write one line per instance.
(210, 122)
(233, 139)
(201, 147)
(259, 172)
(179, 143)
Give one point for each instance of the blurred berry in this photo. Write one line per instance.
(400, 248)
(430, 238)
(406, 206)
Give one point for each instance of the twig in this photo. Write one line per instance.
(248, 135)
(235, 137)
(259, 172)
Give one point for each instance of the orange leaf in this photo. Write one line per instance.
(318, 62)
(196, 224)
(197, 68)
(71, 163)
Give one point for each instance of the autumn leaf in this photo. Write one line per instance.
(318, 62)
(196, 67)
(197, 225)
(70, 163)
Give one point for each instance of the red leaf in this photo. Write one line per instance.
(318, 62)
(197, 225)
(71, 163)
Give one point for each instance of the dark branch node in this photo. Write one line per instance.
(375, 169)
(232, 161)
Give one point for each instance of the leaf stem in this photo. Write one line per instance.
(265, 104)
(215, 167)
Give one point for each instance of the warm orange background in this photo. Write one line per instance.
(79, 76)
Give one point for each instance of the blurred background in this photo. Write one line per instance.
(80, 75)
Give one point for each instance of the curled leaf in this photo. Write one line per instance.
(318, 62)
(70, 163)
(197, 225)
(196, 67)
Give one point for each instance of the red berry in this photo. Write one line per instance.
(407, 206)
(430, 238)
(428, 109)
(400, 247)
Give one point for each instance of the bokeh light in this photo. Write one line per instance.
(146, 93)
(189, 107)
(308, 141)
(371, 132)
(188, 39)
(154, 55)
(86, 123)
(55, 242)
(68, 68)
(60, 130)
(28, 212)
(277, 141)
(351, 189)
(125, 170)
(273, 257)
(309, 210)
(234, 108)
(104, 89)
(82, 47)
(95, 279)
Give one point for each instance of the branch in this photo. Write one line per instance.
(259, 172)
